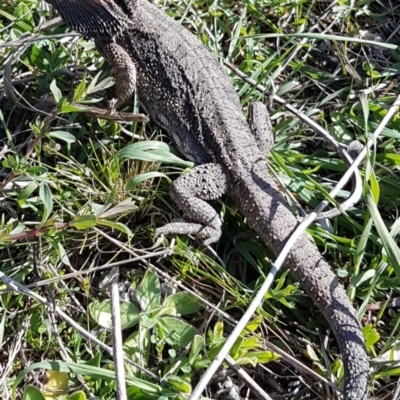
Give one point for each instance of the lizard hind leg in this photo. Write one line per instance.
(261, 127)
(189, 192)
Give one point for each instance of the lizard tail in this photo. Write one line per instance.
(259, 199)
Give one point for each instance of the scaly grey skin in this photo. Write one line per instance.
(186, 92)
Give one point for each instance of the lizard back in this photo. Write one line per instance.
(185, 90)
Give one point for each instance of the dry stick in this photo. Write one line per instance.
(15, 348)
(117, 336)
(357, 190)
(259, 298)
(92, 270)
(396, 394)
(324, 347)
(256, 389)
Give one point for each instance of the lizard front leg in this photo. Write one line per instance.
(189, 192)
(123, 67)
(261, 127)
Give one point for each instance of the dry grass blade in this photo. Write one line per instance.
(117, 336)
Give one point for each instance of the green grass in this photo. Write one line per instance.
(92, 192)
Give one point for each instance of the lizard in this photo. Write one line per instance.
(186, 92)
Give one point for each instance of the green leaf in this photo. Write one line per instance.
(179, 384)
(197, 346)
(148, 292)
(363, 277)
(218, 330)
(100, 210)
(80, 90)
(55, 91)
(118, 226)
(56, 384)
(247, 361)
(371, 335)
(62, 135)
(60, 251)
(80, 395)
(390, 246)
(101, 313)
(262, 357)
(144, 177)
(23, 12)
(183, 303)
(32, 393)
(93, 82)
(234, 351)
(362, 243)
(375, 190)
(101, 86)
(147, 321)
(151, 151)
(137, 345)
(251, 342)
(122, 208)
(47, 199)
(67, 108)
(254, 324)
(176, 332)
(37, 170)
(365, 108)
(7, 15)
(24, 195)
(84, 221)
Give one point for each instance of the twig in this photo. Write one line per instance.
(396, 394)
(92, 270)
(117, 336)
(256, 389)
(324, 348)
(15, 348)
(9, 88)
(105, 114)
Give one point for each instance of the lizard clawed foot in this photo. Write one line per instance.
(207, 233)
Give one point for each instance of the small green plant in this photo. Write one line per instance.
(179, 349)
(56, 388)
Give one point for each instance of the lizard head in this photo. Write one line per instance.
(93, 17)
